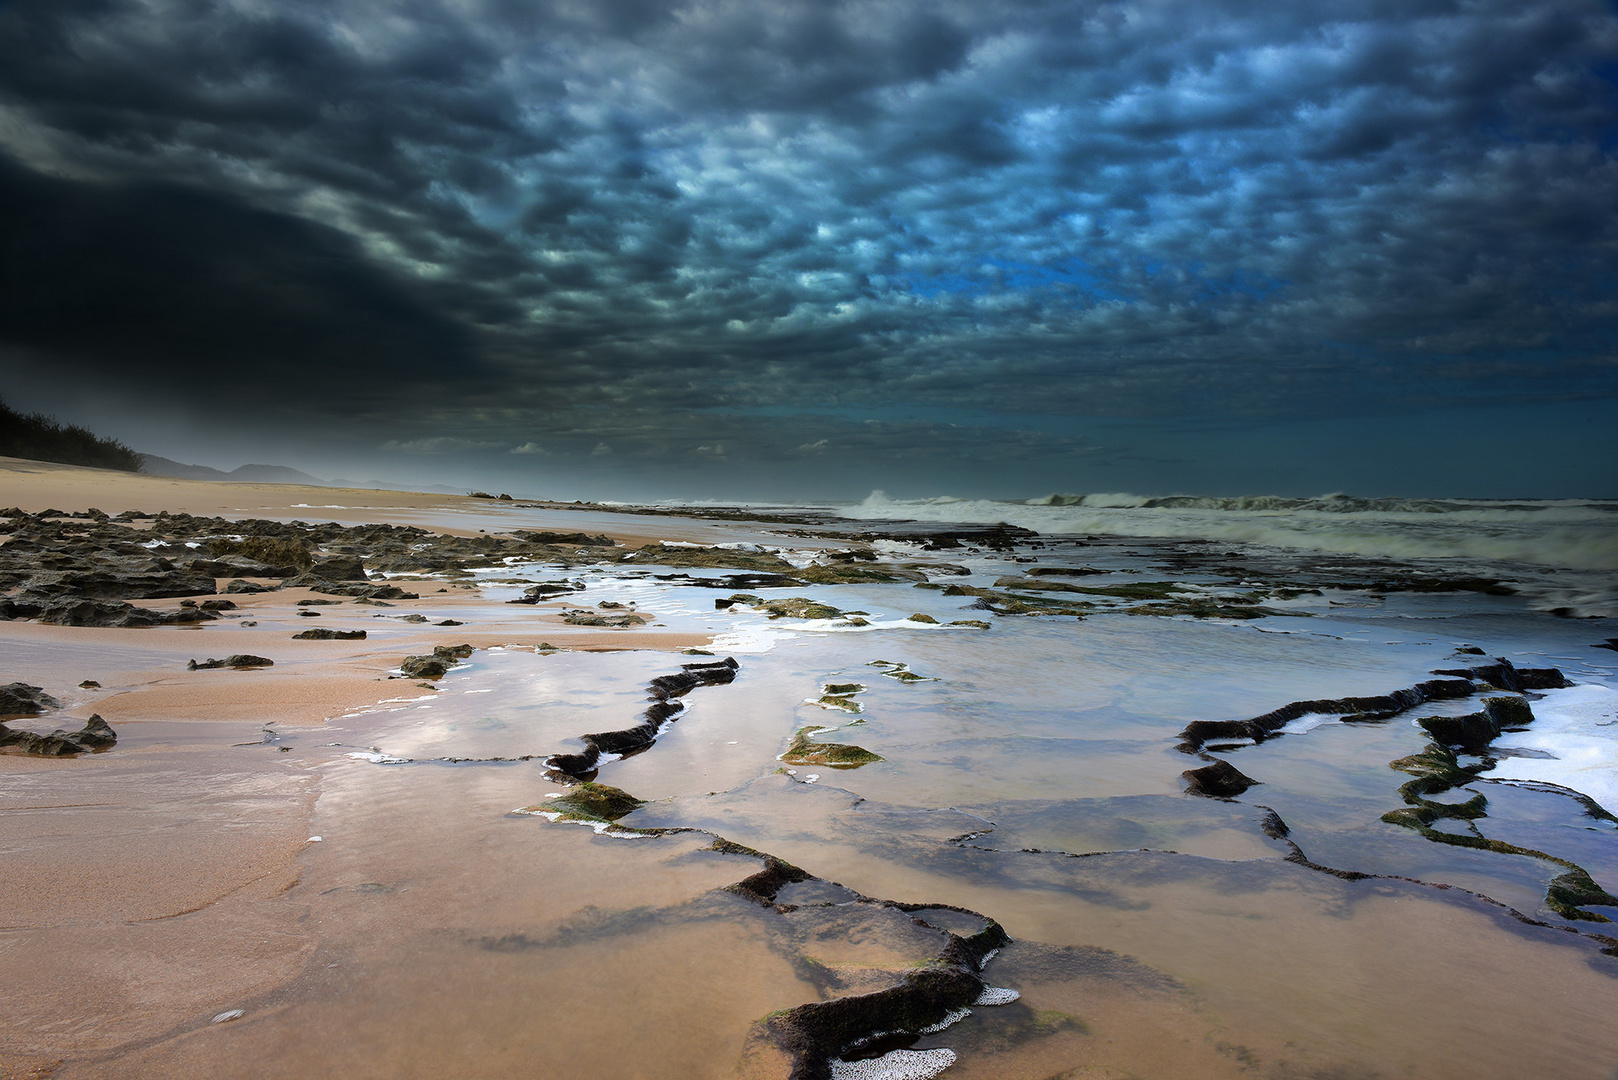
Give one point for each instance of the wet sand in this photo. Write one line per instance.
(151, 892)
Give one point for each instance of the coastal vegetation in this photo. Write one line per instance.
(38, 437)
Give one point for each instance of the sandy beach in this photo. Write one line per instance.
(326, 867)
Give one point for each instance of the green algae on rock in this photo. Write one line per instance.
(834, 755)
(590, 802)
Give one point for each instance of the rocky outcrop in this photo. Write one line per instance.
(1474, 731)
(340, 568)
(665, 690)
(1200, 733)
(95, 735)
(1220, 780)
(237, 661)
(436, 665)
(1503, 675)
(21, 699)
(70, 612)
(322, 634)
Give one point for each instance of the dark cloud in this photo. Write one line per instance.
(635, 224)
(159, 285)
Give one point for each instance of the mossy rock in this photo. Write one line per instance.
(798, 607)
(1508, 712)
(976, 624)
(843, 574)
(594, 802)
(1572, 890)
(717, 558)
(835, 755)
(921, 617)
(843, 688)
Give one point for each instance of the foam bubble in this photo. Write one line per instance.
(895, 1065)
(954, 1016)
(1579, 725)
(996, 995)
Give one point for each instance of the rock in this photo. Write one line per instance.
(798, 607)
(238, 661)
(593, 802)
(577, 539)
(976, 624)
(98, 613)
(1199, 733)
(435, 666)
(534, 594)
(317, 603)
(340, 568)
(1610, 643)
(322, 634)
(280, 556)
(117, 578)
(1504, 675)
(240, 586)
(1472, 731)
(449, 622)
(367, 590)
(233, 568)
(21, 699)
(89, 684)
(306, 613)
(803, 751)
(95, 735)
(218, 605)
(1508, 712)
(586, 618)
(1221, 780)
(1065, 571)
(919, 617)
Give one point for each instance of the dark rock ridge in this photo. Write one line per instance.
(1502, 674)
(322, 634)
(1220, 780)
(817, 1032)
(436, 665)
(1434, 771)
(665, 690)
(1476, 730)
(95, 735)
(70, 612)
(237, 661)
(21, 699)
(48, 562)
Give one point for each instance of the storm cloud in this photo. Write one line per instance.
(733, 236)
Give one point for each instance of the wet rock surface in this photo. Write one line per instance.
(436, 664)
(1219, 780)
(95, 735)
(21, 699)
(238, 661)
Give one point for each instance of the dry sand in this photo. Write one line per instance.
(144, 891)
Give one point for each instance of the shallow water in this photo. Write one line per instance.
(1031, 774)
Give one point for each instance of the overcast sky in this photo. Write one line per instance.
(620, 248)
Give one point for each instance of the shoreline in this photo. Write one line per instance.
(314, 842)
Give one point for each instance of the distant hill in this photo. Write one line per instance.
(252, 474)
(38, 437)
(274, 474)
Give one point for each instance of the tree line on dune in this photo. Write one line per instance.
(41, 438)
